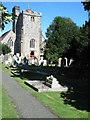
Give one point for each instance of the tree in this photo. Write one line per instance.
(78, 45)
(60, 34)
(5, 16)
(86, 36)
(86, 5)
(4, 49)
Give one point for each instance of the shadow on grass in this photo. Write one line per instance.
(76, 95)
(76, 99)
(29, 75)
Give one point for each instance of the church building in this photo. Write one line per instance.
(28, 39)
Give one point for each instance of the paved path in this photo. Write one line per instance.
(26, 104)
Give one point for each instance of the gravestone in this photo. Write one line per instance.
(29, 61)
(41, 58)
(42, 62)
(6, 62)
(20, 59)
(52, 82)
(10, 59)
(59, 62)
(17, 54)
(66, 64)
(15, 58)
(71, 61)
(33, 61)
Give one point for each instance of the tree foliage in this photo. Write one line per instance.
(86, 5)
(60, 35)
(78, 47)
(85, 58)
(4, 49)
(5, 16)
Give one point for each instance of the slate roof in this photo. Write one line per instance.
(4, 35)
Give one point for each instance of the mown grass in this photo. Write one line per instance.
(8, 109)
(53, 100)
(0, 102)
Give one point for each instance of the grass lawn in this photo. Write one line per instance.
(8, 109)
(0, 102)
(53, 100)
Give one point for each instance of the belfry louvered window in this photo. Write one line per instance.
(33, 19)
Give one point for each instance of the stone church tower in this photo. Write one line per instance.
(27, 27)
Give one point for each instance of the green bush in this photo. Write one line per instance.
(4, 49)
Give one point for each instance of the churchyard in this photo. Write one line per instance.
(69, 103)
(59, 80)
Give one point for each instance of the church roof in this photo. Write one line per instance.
(4, 35)
(29, 10)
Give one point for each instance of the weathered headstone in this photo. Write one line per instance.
(66, 62)
(35, 60)
(71, 60)
(10, 59)
(20, 59)
(59, 62)
(6, 63)
(14, 57)
(17, 54)
(52, 82)
(32, 61)
(43, 62)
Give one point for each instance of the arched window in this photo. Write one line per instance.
(32, 43)
(10, 42)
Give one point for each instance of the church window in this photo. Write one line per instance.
(32, 43)
(32, 19)
(10, 42)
